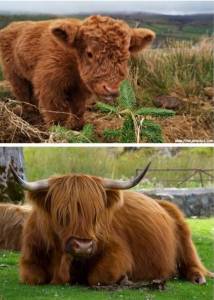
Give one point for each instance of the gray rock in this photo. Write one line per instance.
(169, 102)
(193, 202)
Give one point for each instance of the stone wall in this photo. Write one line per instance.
(193, 202)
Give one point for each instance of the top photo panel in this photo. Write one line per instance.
(106, 72)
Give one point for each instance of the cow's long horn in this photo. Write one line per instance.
(124, 185)
(35, 186)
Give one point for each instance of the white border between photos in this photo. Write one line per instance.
(108, 145)
(106, 0)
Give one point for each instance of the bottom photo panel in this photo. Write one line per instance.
(106, 223)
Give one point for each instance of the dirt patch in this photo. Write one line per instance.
(186, 129)
(18, 124)
(125, 284)
(22, 122)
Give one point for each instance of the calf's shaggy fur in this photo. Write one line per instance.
(59, 64)
(134, 235)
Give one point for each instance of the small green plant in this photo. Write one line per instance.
(62, 134)
(139, 124)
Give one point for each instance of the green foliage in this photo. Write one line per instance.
(127, 107)
(128, 131)
(62, 134)
(10, 287)
(155, 112)
(105, 108)
(151, 132)
(127, 98)
(112, 135)
(88, 134)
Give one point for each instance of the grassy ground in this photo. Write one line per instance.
(11, 289)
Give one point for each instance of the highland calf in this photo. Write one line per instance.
(59, 64)
(88, 230)
(12, 219)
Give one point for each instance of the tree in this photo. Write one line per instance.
(9, 189)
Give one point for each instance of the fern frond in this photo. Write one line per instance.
(127, 97)
(105, 108)
(128, 131)
(155, 112)
(151, 132)
(112, 135)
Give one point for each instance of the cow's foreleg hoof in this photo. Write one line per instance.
(196, 276)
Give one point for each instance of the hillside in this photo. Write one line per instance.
(189, 27)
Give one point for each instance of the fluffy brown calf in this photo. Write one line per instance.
(59, 64)
(12, 218)
(86, 229)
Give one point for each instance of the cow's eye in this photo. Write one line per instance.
(89, 54)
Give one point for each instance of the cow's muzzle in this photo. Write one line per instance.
(80, 247)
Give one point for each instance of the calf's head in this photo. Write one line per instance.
(79, 207)
(103, 46)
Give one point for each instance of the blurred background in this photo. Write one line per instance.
(183, 175)
(171, 167)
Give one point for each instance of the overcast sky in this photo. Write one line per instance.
(73, 7)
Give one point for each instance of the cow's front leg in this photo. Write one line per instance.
(112, 266)
(61, 272)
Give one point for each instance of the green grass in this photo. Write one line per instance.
(62, 134)
(202, 229)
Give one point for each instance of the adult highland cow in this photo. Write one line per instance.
(86, 229)
(59, 64)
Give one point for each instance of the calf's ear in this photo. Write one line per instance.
(140, 39)
(64, 32)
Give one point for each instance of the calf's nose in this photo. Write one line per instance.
(113, 91)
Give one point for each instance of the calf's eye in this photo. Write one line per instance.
(89, 54)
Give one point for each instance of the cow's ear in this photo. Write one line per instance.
(114, 199)
(140, 39)
(64, 32)
(40, 199)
